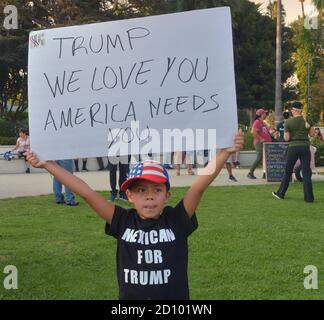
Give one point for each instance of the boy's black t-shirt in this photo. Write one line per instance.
(152, 254)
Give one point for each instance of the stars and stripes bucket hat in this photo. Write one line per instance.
(149, 170)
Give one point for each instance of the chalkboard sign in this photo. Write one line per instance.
(275, 160)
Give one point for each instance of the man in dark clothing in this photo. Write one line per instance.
(296, 132)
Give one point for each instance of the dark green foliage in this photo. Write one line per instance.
(248, 140)
(309, 49)
(243, 117)
(7, 141)
(8, 128)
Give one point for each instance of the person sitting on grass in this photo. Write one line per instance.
(152, 249)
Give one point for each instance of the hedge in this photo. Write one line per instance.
(248, 141)
(8, 141)
(10, 129)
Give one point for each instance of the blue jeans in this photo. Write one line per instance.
(57, 186)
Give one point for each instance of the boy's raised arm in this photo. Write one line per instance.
(96, 201)
(208, 174)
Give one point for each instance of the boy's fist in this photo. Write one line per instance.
(33, 160)
(238, 142)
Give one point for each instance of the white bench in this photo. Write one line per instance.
(17, 165)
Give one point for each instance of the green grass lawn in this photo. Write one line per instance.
(248, 246)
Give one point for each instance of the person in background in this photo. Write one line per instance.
(178, 159)
(167, 160)
(318, 137)
(227, 164)
(261, 134)
(296, 132)
(57, 186)
(122, 163)
(23, 145)
(315, 141)
(281, 126)
(101, 164)
(235, 159)
(84, 164)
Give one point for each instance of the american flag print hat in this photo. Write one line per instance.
(149, 170)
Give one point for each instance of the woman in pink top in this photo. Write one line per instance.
(260, 134)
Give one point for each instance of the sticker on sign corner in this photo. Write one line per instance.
(37, 40)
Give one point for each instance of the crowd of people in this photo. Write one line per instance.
(300, 157)
(263, 130)
(117, 166)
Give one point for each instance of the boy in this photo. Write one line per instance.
(152, 251)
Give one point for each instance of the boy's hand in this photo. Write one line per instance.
(34, 161)
(238, 143)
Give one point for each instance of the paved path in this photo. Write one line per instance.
(19, 185)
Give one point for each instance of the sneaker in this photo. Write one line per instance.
(61, 201)
(72, 203)
(85, 169)
(123, 197)
(113, 197)
(251, 175)
(236, 163)
(231, 177)
(276, 195)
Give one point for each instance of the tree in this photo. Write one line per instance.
(253, 36)
(272, 10)
(319, 4)
(317, 90)
(14, 45)
(309, 44)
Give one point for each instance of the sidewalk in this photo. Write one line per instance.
(20, 185)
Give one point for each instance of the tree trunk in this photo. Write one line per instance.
(278, 103)
(303, 10)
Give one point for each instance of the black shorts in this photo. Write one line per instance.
(21, 155)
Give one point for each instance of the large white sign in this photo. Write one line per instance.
(128, 84)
